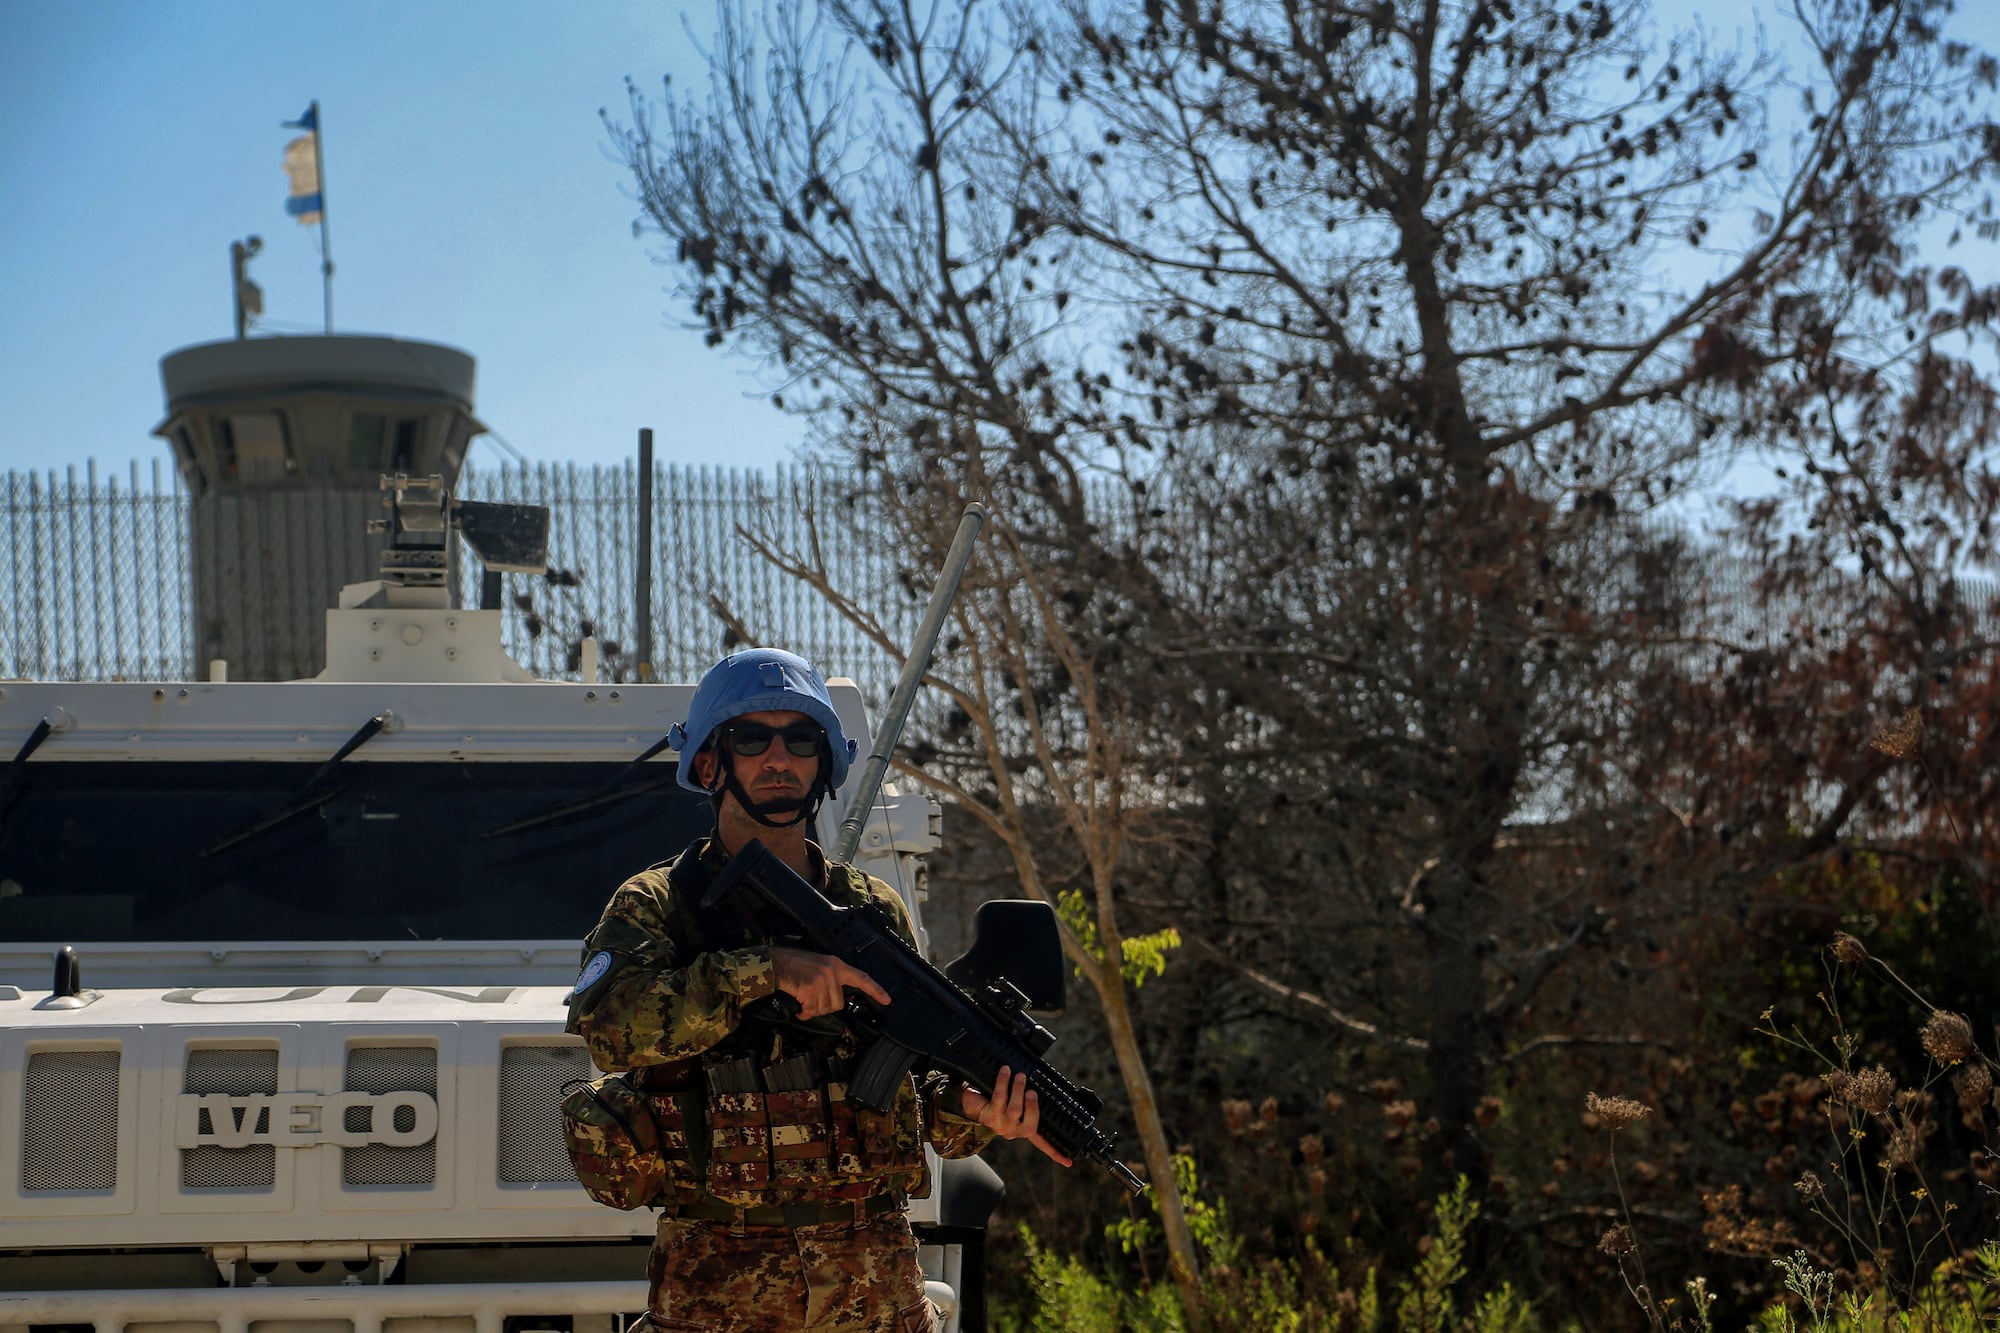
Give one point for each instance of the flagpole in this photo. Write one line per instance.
(325, 244)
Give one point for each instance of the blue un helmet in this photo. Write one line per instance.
(762, 680)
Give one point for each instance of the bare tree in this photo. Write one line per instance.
(1324, 362)
(1422, 259)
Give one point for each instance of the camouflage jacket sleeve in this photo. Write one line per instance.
(646, 1005)
(952, 1134)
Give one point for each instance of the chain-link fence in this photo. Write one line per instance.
(98, 572)
(705, 571)
(98, 578)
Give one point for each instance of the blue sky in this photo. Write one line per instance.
(472, 201)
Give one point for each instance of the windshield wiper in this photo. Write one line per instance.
(308, 797)
(12, 778)
(609, 794)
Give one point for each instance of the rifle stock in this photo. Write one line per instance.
(930, 1020)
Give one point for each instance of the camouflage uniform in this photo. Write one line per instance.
(673, 993)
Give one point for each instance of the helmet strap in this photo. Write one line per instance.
(802, 809)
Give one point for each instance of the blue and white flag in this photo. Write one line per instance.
(302, 166)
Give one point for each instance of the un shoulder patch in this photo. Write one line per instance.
(593, 971)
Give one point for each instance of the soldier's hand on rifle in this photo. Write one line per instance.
(819, 982)
(1013, 1112)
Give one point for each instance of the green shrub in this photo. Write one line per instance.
(1264, 1294)
(1302, 1295)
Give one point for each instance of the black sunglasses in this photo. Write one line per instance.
(750, 739)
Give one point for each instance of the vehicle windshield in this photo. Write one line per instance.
(125, 851)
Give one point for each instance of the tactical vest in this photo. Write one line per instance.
(763, 1117)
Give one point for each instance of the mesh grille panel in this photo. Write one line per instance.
(69, 1121)
(390, 1069)
(532, 1150)
(238, 1071)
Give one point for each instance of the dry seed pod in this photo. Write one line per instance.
(1973, 1084)
(1947, 1037)
(1872, 1090)
(1902, 738)
(1614, 1113)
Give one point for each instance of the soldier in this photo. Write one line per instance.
(784, 1201)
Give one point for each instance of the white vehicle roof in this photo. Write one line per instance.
(301, 724)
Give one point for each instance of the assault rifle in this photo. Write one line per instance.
(932, 1020)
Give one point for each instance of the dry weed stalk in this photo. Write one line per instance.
(1621, 1242)
(1875, 1192)
(1881, 1189)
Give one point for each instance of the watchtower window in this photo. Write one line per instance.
(252, 445)
(185, 456)
(404, 459)
(365, 433)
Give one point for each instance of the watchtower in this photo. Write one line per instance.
(283, 443)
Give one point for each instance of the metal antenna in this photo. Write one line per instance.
(862, 799)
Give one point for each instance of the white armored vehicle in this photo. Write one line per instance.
(283, 960)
